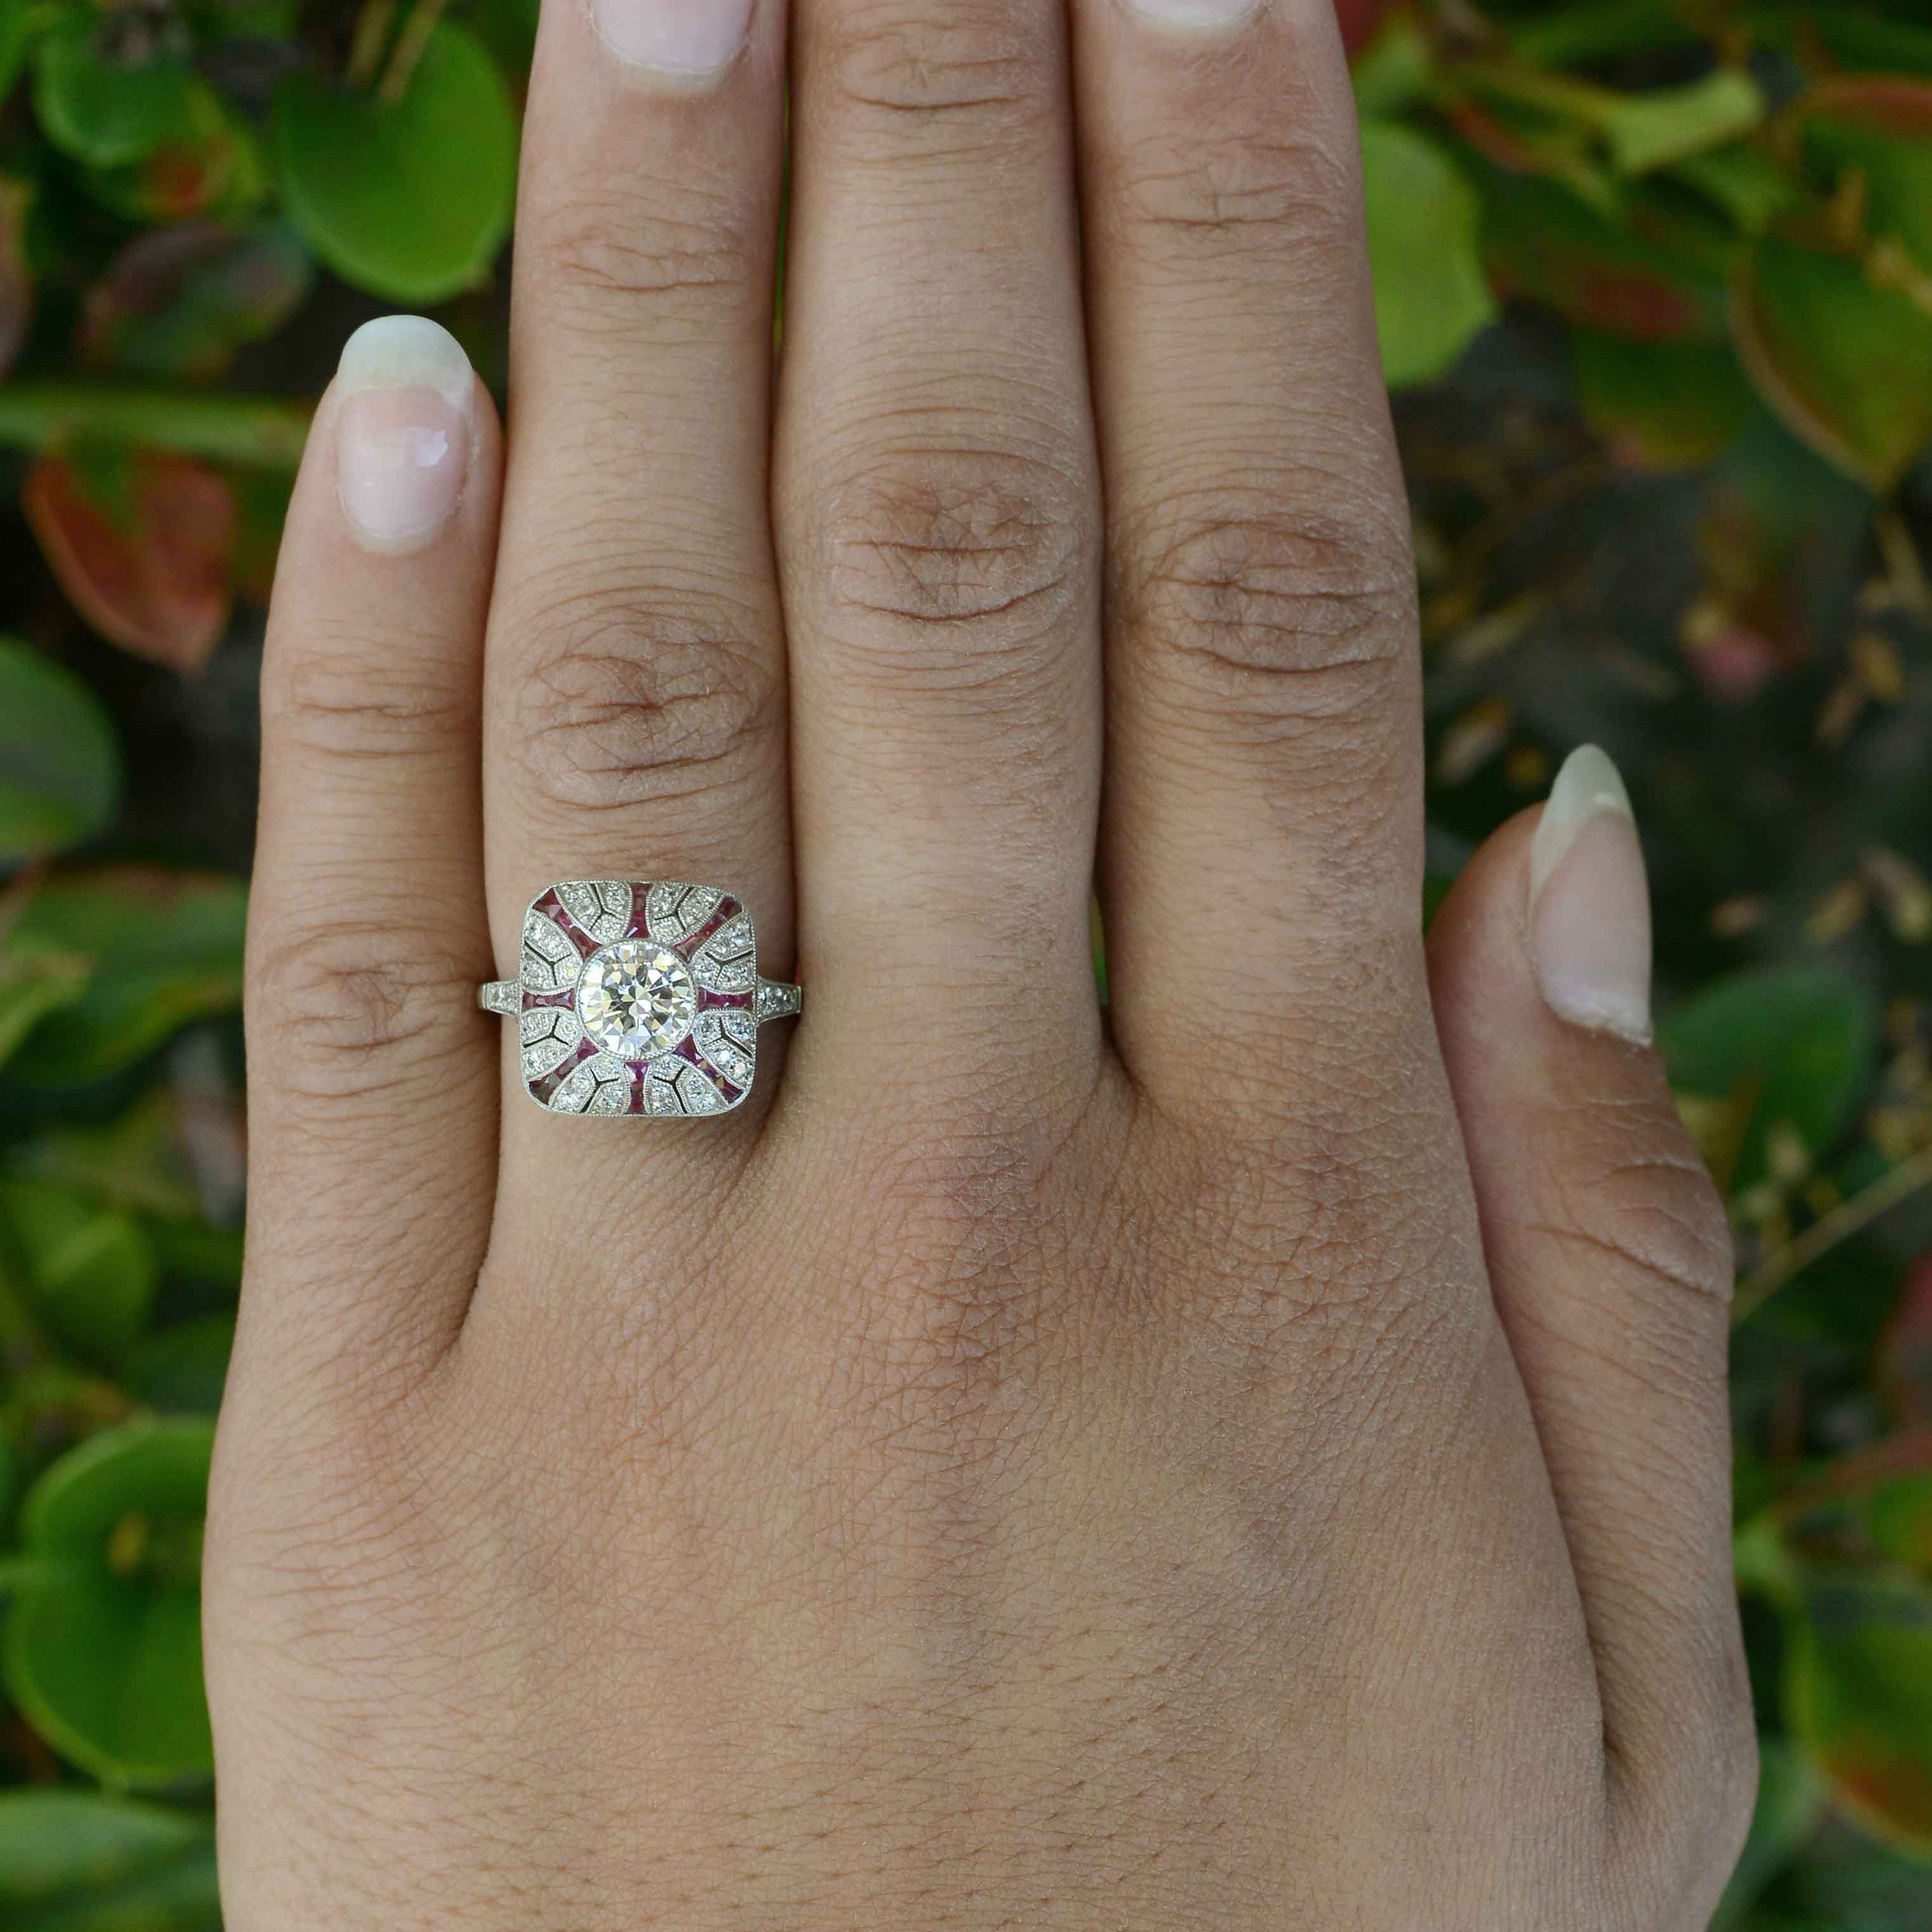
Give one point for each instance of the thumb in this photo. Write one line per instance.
(1609, 1259)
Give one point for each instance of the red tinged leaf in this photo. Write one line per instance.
(1543, 243)
(16, 284)
(1846, 363)
(140, 541)
(179, 302)
(1858, 1695)
(1905, 1350)
(210, 166)
(1358, 18)
(1892, 104)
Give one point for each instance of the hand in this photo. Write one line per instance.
(1255, 1459)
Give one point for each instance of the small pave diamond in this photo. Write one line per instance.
(777, 1001)
(636, 999)
(599, 1085)
(551, 963)
(602, 906)
(550, 1035)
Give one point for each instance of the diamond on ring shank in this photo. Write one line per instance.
(636, 999)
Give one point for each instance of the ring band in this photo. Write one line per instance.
(638, 998)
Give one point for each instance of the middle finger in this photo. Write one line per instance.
(937, 516)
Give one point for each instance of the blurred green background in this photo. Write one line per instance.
(1655, 279)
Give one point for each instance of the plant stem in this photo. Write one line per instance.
(416, 31)
(1851, 1217)
(366, 43)
(264, 432)
(1909, 1454)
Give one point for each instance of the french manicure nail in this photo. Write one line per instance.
(688, 41)
(1208, 16)
(404, 396)
(1589, 901)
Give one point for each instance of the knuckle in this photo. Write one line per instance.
(1631, 1186)
(350, 697)
(981, 545)
(629, 698)
(1733, 1783)
(1697, 1795)
(349, 1004)
(648, 247)
(1198, 194)
(894, 58)
(1340, 1269)
(953, 1294)
(1281, 604)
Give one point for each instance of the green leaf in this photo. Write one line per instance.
(1790, 1802)
(1858, 1697)
(1397, 68)
(167, 949)
(105, 110)
(182, 1370)
(1865, 42)
(32, 988)
(90, 1272)
(19, 22)
(63, 1840)
(1586, 31)
(60, 763)
(1432, 298)
(183, 1897)
(1743, 181)
(1879, 128)
(1665, 405)
(409, 199)
(1847, 364)
(1791, 1047)
(139, 1160)
(197, 1253)
(102, 1647)
(1639, 132)
(265, 431)
(1651, 130)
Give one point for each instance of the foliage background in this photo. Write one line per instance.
(1655, 284)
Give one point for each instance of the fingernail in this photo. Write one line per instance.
(1589, 901)
(404, 393)
(690, 41)
(1208, 16)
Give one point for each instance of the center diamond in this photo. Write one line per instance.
(636, 1000)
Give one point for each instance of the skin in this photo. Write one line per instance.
(1255, 1459)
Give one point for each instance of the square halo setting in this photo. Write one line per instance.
(637, 997)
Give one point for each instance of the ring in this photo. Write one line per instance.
(638, 999)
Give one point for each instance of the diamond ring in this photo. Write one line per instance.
(638, 999)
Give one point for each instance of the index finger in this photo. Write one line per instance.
(372, 1076)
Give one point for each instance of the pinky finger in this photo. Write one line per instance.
(372, 1080)
(1610, 1260)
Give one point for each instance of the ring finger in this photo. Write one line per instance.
(635, 684)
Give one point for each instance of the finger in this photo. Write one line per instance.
(1610, 1259)
(937, 519)
(373, 1113)
(1264, 724)
(635, 684)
